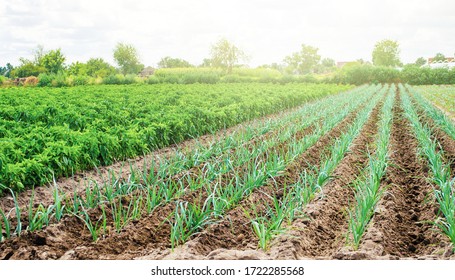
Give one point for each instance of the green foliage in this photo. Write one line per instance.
(127, 58)
(225, 55)
(420, 61)
(368, 184)
(358, 74)
(439, 57)
(6, 71)
(188, 75)
(97, 67)
(327, 65)
(169, 62)
(386, 53)
(27, 69)
(441, 96)
(304, 61)
(440, 170)
(58, 131)
(119, 79)
(426, 76)
(2, 80)
(52, 61)
(94, 67)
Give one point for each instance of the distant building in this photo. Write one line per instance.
(147, 71)
(449, 62)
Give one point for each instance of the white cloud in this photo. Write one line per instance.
(266, 30)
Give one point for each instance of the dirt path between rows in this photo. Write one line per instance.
(233, 238)
(401, 226)
(323, 232)
(150, 231)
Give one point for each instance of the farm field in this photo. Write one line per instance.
(48, 133)
(367, 173)
(441, 96)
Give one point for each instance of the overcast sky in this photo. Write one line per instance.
(267, 30)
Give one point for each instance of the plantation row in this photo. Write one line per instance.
(248, 188)
(55, 132)
(442, 96)
(247, 167)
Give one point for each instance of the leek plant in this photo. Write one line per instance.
(367, 187)
(441, 119)
(17, 213)
(310, 181)
(168, 190)
(188, 219)
(6, 226)
(441, 173)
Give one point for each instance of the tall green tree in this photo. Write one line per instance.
(386, 53)
(420, 61)
(127, 58)
(53, 61)
(27, 69)
(95, 67)
(170, 62)
(439, 57)
(6, 71)
(303, 61)
(98, 67)
(206, 62)
(226, 55)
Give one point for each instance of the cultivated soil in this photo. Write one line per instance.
(402, 226)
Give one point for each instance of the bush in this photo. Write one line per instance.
(81, 80)
(129, 79)
(26, 70)
(45, 80)
(231, 78)
(257, 74)
(112, 79)
(152, 80)
(188, 75)
(59, 80)
(31, 81)
(2, 80)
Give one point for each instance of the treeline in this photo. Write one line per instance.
(357, 75)
(225, 65)
(411, 74)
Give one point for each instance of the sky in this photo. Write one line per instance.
(265, 30)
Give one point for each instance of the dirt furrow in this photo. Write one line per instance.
(322, 233)
(153, 230)
(224, 239)
(401, 226)
(446, 143)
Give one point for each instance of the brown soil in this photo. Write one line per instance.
(322, 234)
(225, 239)
(446, 143)
(401, 226)
(152, 231)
